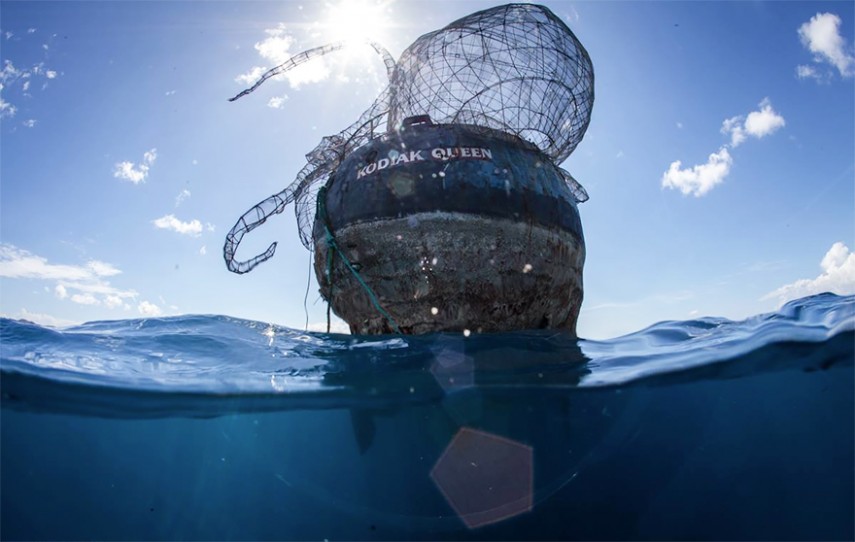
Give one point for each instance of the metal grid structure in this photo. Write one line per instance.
(516, 68)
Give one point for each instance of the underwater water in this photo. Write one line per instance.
(215, 428)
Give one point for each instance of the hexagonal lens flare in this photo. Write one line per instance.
(484, 477)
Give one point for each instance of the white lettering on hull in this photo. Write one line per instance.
(443, 154)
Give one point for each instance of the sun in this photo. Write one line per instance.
(356, 20)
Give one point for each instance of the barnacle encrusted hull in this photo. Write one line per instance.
(452, 227)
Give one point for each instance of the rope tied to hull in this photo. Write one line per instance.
(332, 245)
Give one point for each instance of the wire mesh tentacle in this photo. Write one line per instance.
(250, 220)
(388, 59)
(515, 68)
(290, 64)
(316, 52)
(320, 162)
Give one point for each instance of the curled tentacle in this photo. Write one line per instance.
(320, 162)
(250, 220)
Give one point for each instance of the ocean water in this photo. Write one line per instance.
(215, 428)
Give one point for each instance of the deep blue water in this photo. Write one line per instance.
(210, 427)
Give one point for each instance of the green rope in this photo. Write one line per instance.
(332, 245)
(329, 279)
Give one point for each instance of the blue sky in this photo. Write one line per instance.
(720, 158)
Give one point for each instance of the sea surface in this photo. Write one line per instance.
(216, 428)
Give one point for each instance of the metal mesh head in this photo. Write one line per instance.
(515, 68)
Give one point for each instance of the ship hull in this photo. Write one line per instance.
(486, 242)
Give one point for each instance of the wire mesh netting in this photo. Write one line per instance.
(515, 68)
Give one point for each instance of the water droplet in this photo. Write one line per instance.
(527, 268)
(434, 311)
(466, 332)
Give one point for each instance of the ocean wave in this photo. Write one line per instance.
(211, 364)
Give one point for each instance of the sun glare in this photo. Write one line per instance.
(356, 20)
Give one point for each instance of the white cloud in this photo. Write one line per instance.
(129, 172)
(85, 299)
(135, 173)
(10, 73)
(7, 109)
(808, 72)
(251, 76)
(148, 309)
(183, 195)
(700, 179)
(169, 222)
(203, 250)
(835, 257)
(276, 48)
(99, 287)
(757, 124)
(838, 276)
(12, 78)
(277, 102)
(113, 302)
(17, 263)
(733, 126)
(821, 36)
(764, 121)
(41, 319)
(86, 280)
(30, 123)
(102, 269)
